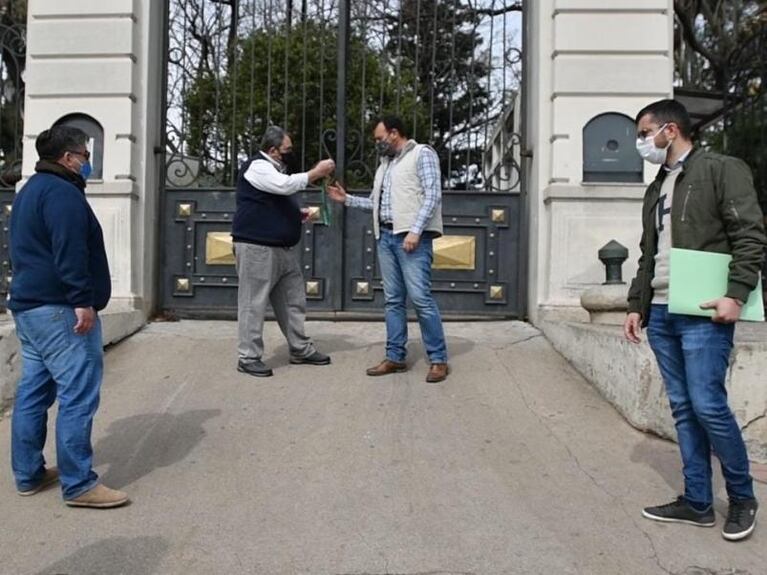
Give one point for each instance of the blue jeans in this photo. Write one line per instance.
(56, 363)
(409, 274)
(693, 354)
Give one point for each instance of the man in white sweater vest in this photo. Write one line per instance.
(406, 202)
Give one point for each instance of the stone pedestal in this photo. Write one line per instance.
(606, 304)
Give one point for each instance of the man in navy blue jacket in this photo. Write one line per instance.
(60, 283)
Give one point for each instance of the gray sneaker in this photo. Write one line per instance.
(680, 511)
(255, 367)
(741, 519)
(316, 358)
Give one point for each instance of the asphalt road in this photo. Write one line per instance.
(515, 465)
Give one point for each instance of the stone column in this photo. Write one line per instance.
(586, 57)
(104, 59)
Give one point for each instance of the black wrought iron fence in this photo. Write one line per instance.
(12, 58)
(449, 67)
(744, 132)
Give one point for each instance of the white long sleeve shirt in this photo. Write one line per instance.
(268, 177)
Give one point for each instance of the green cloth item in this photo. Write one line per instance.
(326, 212)
(698, 277)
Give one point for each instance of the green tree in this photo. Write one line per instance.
(436, 49)
(228, 112)
(708, 35)
(720, 47)
(423, 59)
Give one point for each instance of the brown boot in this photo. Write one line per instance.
(100, 497)
(386, 367)
(437, 372)
(51, 476)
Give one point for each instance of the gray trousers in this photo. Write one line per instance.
(269, 275)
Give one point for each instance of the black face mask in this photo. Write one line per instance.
(290, 161)
(385, 148)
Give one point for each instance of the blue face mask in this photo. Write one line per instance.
(85, 170)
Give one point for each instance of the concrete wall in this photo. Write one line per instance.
(115, 325)
(10, 363)
(104, 59)
(627, 376)
(585, 57)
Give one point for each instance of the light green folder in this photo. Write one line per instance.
(698, 277)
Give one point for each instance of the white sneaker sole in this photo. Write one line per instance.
(684, 521)
(743, 534)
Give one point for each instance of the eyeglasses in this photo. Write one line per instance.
(86, 154)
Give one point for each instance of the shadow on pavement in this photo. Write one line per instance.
(663, 457)
(139, 444)
(456, 347)
(329, 344)
(114, 556)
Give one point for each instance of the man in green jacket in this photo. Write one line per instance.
(699, 201)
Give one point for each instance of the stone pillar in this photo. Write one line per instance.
(104, 59)
(586, 58)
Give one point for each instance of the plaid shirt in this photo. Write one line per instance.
(427, 167)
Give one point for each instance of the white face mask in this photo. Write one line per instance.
(649, 151)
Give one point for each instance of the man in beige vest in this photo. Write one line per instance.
(406, 202)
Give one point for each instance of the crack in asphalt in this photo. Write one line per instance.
(580, 467)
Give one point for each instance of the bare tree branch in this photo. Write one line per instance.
(517, 7)
(686, 17)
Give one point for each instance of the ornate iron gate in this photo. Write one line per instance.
(12, 59)
(324, 71)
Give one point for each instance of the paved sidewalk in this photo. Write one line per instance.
(515, 465)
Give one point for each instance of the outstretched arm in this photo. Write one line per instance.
(337, 193)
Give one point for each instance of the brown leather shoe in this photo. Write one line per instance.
(51, 476)
(437, 372)
(100, 497)
(386, 367)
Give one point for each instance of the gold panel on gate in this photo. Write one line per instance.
(314, 214)
(455, 253)
(312, 288)
(182, 284)
(498, 216)
(218, 249)
(496, 292)
(362, 288)
(184, 210)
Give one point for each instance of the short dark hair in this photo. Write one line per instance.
(667, 111)
(272, 138)
(52, 144)
(393, 123)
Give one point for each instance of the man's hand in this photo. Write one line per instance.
(727, 309)
(86, 318)
(321, 169)
(411, 241)
(632, 327)
(336, 192)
